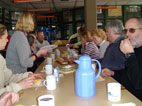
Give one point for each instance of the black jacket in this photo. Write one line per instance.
(131, 76)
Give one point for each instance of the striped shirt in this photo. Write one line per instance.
(91, 50)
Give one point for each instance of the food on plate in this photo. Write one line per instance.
(58, 42)
(65, 60)
(61, 60)
(71, 60)
(38, 81)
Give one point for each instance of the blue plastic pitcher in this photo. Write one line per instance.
(85, 79)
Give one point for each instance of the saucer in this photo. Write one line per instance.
(43, 71)
(50, 46)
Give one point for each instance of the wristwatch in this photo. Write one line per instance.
(127, 55)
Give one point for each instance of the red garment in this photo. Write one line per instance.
(8, 37)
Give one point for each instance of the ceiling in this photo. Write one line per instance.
(59, 5)
(54, 5)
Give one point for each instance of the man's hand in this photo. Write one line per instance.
(126, 46)
(107, 72)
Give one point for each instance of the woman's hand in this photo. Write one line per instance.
(39, 75)
(75, 47)
(68, 42)
(42, 52)
(27, 82)
(8, 98)
(107, 72)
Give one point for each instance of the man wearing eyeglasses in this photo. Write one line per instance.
(131, 76)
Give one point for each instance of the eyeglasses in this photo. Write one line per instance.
(131, 30)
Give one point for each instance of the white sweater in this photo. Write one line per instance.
(7, 79)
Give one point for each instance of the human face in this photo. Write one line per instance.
(84, 39)
(97, 40)
(109, 34)
(40, 36)
(34, 43)
(136, 36)
(3, 40)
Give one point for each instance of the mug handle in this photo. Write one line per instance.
(43, 68)
(99, 72)
(45, 83)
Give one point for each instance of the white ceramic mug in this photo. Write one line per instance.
(48, 69)
(50, 82)
(53, 56)
(114, 91)
(49, 60)
(46, 100)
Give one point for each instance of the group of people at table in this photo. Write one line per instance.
(119, 51)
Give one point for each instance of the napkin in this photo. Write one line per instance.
(125, 104)
(99, 78)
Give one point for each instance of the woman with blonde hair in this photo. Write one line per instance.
(100, 40)
(88, 46)
(19, 56)
(10, 82)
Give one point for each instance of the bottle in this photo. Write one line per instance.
(56, 73)
(57, 52)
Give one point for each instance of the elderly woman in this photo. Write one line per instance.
(19, 56)
(100, 40)
(88, 46)
(8, 80)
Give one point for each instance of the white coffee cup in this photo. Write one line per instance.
(53, 56)
(50, 82)
(114, 91)
(49, 60)
(46, 100)
(48, 69)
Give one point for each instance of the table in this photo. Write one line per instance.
(65, 93)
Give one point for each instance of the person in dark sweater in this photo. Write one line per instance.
(131, 76)
(32, 42)
(113, 58)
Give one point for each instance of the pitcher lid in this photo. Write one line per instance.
(85, 57)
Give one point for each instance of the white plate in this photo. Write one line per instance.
(68, 66)
(50, 46)
(42, 71)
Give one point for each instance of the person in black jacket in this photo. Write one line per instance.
(131, 76)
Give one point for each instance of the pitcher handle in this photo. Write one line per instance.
(99, 67)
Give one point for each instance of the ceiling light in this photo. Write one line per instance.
(45, 16)
(20, 1)
(109, 7)
(41, 9)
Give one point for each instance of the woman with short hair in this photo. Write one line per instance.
(19, 56)
(100, 40)
(88, 46)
